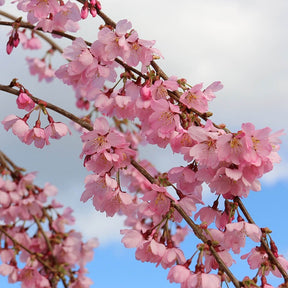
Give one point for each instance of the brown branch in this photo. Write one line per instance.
(198, 232)
(53, 107)
(273, 259)
(16, 243)
(43, 234)
(54, 45)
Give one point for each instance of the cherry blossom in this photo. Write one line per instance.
(39, 67)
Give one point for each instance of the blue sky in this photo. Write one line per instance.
(241, 43)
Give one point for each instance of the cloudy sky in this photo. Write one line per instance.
(241, 43)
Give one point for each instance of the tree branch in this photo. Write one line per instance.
(273, 259)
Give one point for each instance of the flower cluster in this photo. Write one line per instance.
(37, 135)
(51, 15)
(37, 248)
(89, 68)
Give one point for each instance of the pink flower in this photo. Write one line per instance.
(25, 102)
(151, 251)
(18, 125)
(163, 122)
(236, 233)
(101, 138)
(10, 270)
(231, 147)
(195, 98)
(208, 215)
(30, 277)
(203, 280)
(38, 67)
(65, 219)
(158, 200)
(105, 194)
(258, 257)
(132, 238)
(56, 130)
(115, 42)
(206, 150)
(178, 274)
(255, 258)
(38, 136)
(172, 255)
(257, 144)
(186, 181)
(32, 43)
(65, 19)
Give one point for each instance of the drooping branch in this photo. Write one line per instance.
(53, 107)
(36, 255)
(272, 257)
(53, 44)
(173, 94)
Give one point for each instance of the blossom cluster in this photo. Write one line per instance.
(90, 67)
(37, 135)
(51, 15)
(37, 249)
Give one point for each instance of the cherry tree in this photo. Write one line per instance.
(126, 100)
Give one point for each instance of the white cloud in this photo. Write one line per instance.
(95, 224)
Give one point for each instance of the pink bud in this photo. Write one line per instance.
(146, 93)
(93, 11)
(98, 5)
(84, 11)
(9, 48)
(16, 39)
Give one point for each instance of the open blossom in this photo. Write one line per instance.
(178, 274)
(56, 130)
(65, 19)
(198, 99)
(30, 277)
(18, 125)
(257, 144)
(38, 67)
(163, 121)
(115, 43)
(258, 258)
(38, 136)
(157, 202)
(203, 280)
(105, 194)
(235, 235)
(206, 150)
(101, 138)
(32, 43)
